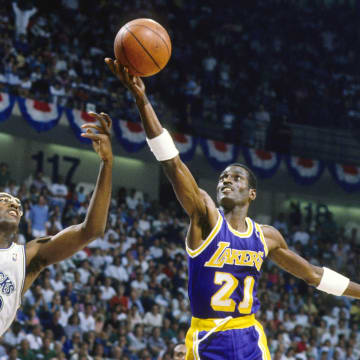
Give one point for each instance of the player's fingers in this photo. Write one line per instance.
(110, 63)
(119, 70)
(92, 136)
(126, 75)
(108, 120)
(92, 126)
(104, 124)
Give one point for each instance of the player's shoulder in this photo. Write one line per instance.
(33, 247)
(272, 236)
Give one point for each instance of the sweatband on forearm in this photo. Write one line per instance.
(333, 282)
(163, 146)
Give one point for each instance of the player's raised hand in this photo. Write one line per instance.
(133, 83)
(101, 140)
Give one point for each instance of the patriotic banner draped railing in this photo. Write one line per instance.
(76, 119)
(186, 144)
(347, 176)
(305, 171)
(263, 163)
(218, 153)
(6, 105)
(40, 115)
(43, 117)
(130, 134)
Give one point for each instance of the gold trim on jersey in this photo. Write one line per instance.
(207, 241)
(262, 342)
(247, 233)
(262, 238)
(240, 322)
(211, 326)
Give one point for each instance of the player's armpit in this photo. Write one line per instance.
(288, 260)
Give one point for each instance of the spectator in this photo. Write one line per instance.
(137, 340)
(35, 337)
(25, 353)
(153, 317)
(107, 291)
(117, 271)
(59, 192)
(22, 18)
(87, 321)
(39, 215)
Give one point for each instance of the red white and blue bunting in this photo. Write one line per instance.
(40, 115)
(6, 105)
(263, 163)
(130, 134)
(76, 119)
(348, 176)
(186, 144)
(43, 117)
(305, 171)
(218, 153)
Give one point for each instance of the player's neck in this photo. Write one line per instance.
(236, 217)
(5, 240)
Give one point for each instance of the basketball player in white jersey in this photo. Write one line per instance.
(17, 271)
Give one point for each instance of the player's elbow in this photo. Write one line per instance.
(91, 232)
(313, 276)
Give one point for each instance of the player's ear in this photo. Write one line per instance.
(252, 194)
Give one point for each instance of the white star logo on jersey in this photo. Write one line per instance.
(14, 257)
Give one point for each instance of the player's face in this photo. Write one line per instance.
(10, 210)
(233, 187)
(179, 352)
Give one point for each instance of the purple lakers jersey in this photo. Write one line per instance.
(224, 271)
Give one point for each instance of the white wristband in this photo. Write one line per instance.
(163, 146)
(333, 282)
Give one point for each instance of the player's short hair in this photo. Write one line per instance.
(252, 180)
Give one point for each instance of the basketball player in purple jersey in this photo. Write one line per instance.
(17, 271)
(225, 250)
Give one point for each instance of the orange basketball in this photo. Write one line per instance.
(143, 46)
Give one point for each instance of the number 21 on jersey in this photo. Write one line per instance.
(221, 300)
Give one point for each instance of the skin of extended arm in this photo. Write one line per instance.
(297, 265)
(43, 252)
(194, 201)
(197, 203)
(288, 260)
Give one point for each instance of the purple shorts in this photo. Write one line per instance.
(247, 343)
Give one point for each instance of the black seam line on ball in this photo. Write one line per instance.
(144, 48)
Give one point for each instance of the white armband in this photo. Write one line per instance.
(333, 282)
(163, 146)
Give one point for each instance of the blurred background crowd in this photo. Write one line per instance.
(236, 70)
(125, 295)
(241, 71)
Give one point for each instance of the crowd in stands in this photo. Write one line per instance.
(125, 295)
(237, 71)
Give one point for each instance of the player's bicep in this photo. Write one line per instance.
(186, 189)
(53, 249)
(289, 260)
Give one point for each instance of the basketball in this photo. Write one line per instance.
(143, 46)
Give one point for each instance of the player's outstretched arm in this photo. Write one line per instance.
(195, 202)
(323, 279)
(46, 251)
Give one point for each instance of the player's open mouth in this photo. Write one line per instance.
(226, 189)
(13, 213)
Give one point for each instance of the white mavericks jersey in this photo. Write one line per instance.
(12, 277)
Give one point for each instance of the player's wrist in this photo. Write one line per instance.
(333, 283)
(163, 146)
(141, 99)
